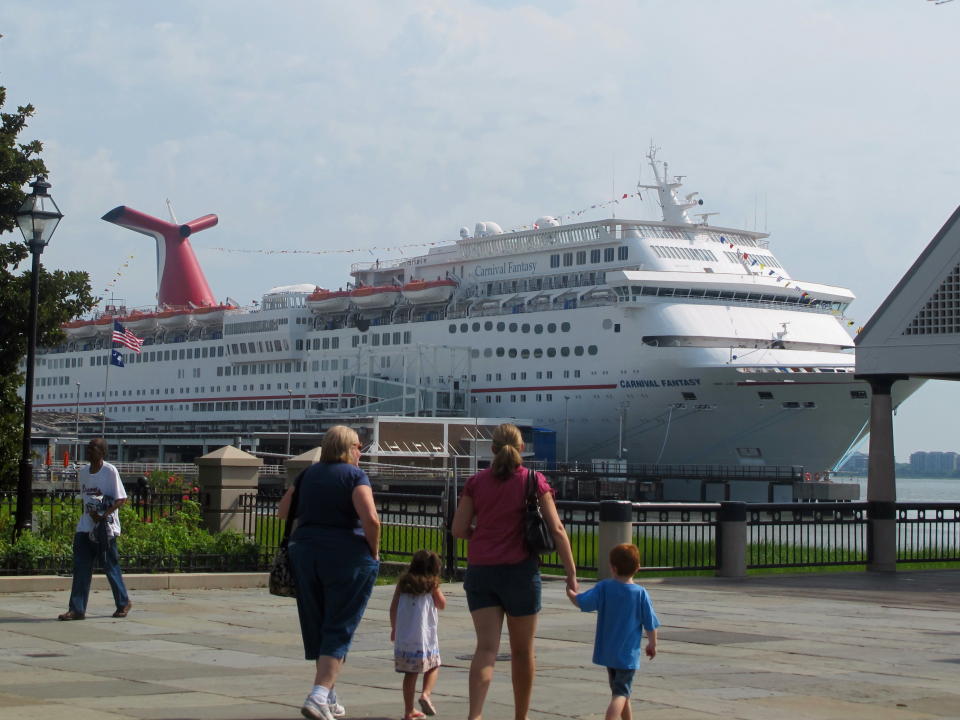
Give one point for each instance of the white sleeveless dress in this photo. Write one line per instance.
(417, 647)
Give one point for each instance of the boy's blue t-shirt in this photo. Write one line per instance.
(624, 611)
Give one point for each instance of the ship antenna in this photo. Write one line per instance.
(173, 218)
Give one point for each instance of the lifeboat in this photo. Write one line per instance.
(328, 301)
(420, 292)
(210, 314)
(79, 329)
(140, 323)
(375, 296)
(171, 319)
(103, 325)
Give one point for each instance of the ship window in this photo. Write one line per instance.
(488, 325)
(525, 328)
(790, 405)
(765, 395)
(595, 256)
(513, 327)
(513, 352)
(500, 352)
(375, 339)
(581, 257)
(525, 354)
(538, 329)
(578, 350)
(475, 353)
(623, 252)
(406, 336)
(476, 327)
(858, 394)
(567, 259)
(501, 326)
(608, 254)
(551, 352)
(592, 350)
(488, 352)
(554, 261)
(355, 340)
(810, 405)
(452, 328)
(386, 338)
(689, 396)
(565, 327)
(565, 352)
(463, 327)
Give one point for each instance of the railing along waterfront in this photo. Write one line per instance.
(51, 507)
(928, 532)
(411, 522)
(806, 534)
(674, 536)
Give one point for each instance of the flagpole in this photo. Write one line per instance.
(106, 386)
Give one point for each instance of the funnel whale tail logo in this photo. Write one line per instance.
(180, 281)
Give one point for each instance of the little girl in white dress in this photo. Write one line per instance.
(413, 629)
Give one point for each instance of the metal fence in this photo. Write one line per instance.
(676, 537)
(806, 534)
(53, 506)
(928, 532)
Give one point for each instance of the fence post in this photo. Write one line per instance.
(223, 476)
(449, 541)
(616, 528)
(732, 539)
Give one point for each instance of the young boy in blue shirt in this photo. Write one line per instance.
(624, 611)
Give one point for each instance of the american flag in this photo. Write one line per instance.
(124, 337)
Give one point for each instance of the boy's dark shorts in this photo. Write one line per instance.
(515, 588)
(620, 681)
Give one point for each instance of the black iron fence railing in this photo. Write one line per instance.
(928, 532)
(676, 537)
(806, 535)
(50, 507)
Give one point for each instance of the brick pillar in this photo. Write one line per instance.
(299, 463)
(223, 476)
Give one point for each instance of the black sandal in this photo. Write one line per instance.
(71, 615)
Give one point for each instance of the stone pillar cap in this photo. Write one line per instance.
(310, 457)
(229, 455)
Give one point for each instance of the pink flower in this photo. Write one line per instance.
(186, 497)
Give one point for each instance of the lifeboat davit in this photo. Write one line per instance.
(328, 301)
(171, 319)
(375, 296)
(140, 323)
(420, 292)
(79, 328)
(210, 314)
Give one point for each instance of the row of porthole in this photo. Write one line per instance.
(512, 327)
(526, 354)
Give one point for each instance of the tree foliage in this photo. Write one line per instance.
(63, 294)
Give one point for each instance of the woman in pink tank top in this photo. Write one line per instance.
(503, 578)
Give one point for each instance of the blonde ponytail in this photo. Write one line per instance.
(507, 442)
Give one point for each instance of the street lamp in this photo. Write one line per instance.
(37, 217)
(566, 431)
(76, 428)
(289, 416)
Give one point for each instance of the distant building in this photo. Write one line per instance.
(856, 464)
(933, 463)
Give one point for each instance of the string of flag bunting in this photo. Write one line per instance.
(116, 276)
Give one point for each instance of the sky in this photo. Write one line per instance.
(357, 130)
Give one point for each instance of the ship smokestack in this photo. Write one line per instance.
(180, 280)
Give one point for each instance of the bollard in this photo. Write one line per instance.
(732, 540)
(616, 527)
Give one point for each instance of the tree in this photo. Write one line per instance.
(63, 294)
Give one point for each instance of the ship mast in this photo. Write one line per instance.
(674, 209)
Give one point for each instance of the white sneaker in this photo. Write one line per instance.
(337, 710)
(314, 710)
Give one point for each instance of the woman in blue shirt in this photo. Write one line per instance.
(334, 554)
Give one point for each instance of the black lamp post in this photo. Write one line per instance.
(38, 218)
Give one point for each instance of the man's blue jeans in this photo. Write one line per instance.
(84, 553)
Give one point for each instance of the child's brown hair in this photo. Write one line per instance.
(625, 559)
(423, 575)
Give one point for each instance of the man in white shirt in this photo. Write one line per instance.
(97, 531)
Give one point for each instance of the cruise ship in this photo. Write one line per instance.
(671, 341)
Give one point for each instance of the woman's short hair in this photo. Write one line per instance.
(506, 443)
(625, 559)
(336, 444)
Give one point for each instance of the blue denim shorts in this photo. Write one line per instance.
(515, 588)
(620, 681)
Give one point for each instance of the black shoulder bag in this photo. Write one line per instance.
(536, 534)
(282, 582)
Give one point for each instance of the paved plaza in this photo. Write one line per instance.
(848, 645)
